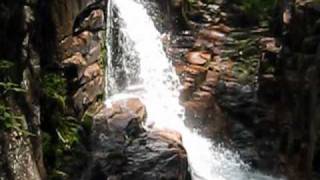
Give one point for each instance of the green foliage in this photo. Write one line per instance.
(9, 119)
(192, 1)
(63, 135)
(257, 8)
(87, 120)
(6, 68)
(54, 86)
(12, 121)
(203, 1)
(58, 175)
(245, 52)
(62, 146)
(245, 70)
(103, 58)
(67, 131)
(103, 54)
(4, 64)
(6, 87)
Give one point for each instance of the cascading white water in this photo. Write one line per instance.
(158, 88)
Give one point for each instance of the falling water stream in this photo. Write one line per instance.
(143, 70)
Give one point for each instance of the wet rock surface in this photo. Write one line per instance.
(224, 101)
(123, 149)
(250, 91)
(228, 89)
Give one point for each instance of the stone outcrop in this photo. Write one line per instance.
(123, 149)
(271, 121)
(65, 15)
(20, 147)
(81, 46)
(298, 72)
(65, 37)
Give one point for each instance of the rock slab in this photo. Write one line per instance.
(123, 149)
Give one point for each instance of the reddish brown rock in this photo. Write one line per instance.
(199, 73)
(80, 43)
(205, 114)
(269, 44)
(197, 109)
(121, 115)
(75, 60)
(212, 35)
(131, 106)
(221, 28)
(179, 67)
(94, 52)
(202, 42)
(194, 69)
(94, 21)
(167, 135)
(189, 80)
(198, 57)
(90, 73)
(122, 149)
(187, 90)
(202, 95)
(88, 93)
(206, 88)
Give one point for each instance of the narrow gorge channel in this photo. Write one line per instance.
(140, 68)
(160, 90)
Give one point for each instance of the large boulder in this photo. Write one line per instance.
(123, 149)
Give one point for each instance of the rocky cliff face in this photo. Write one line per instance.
(21, 147)
(298, 70)
(52, 58)
(257, 92)
(52, 81)
(46, 45)
(81, 50)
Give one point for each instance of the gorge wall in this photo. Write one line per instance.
(52, 71)
(52, 83)
(298, 72)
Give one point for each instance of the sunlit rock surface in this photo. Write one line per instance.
(123, 149)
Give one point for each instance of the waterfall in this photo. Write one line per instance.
(150, 76)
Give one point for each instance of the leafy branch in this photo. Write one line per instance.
(9, 86)
(10, 120)
(4, 64)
